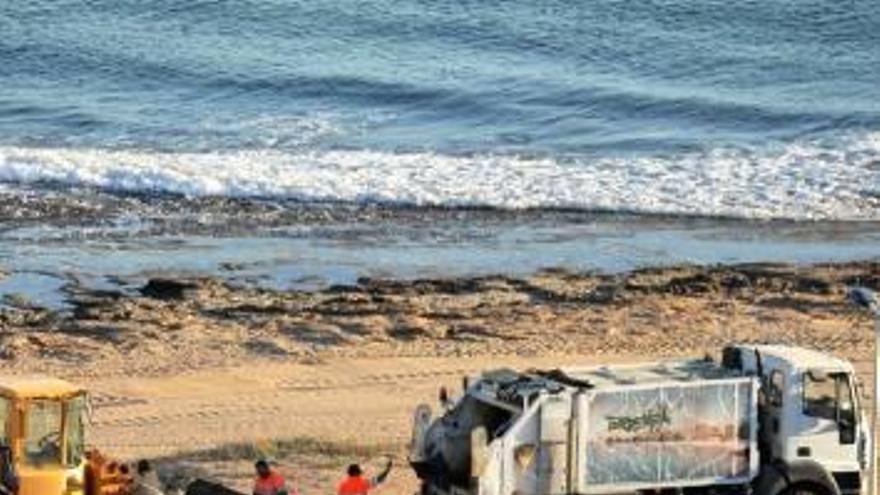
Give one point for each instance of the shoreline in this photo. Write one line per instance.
(174, 324)
(60, 205)
(314, 248)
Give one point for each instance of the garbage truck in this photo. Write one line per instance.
(762, 419)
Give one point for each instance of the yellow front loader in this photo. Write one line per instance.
(42, 447)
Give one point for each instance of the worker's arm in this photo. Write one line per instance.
(378, 480)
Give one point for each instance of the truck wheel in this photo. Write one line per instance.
(805, 489)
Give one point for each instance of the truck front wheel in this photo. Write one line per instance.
(806, 488)
(801, 478)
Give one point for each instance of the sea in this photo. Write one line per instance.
(235, 133)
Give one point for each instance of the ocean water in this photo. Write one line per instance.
(746, 109)
(297, 145)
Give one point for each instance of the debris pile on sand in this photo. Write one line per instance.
(174, 323)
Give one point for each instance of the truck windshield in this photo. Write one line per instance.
(828, 396)
(42, 444)
(4, 421)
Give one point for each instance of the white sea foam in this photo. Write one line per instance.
(808, 180)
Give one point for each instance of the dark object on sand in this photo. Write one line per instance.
(202, 487)
(163, 288)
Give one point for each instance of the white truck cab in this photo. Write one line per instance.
(810, 411)
(765, 420)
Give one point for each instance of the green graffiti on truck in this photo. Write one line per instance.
(652, 419)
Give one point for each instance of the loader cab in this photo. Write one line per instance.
(41, 435)
(810, 411)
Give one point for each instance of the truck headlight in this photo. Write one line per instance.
(75, 486)
(75, 482)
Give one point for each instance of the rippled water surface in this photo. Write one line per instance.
(713, 108)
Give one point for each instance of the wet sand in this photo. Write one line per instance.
(55, 243)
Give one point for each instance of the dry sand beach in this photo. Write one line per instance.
(205, 376)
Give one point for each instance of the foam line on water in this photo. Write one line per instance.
(807, 180)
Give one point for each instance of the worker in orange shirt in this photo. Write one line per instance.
(269, 482)
(356, 484)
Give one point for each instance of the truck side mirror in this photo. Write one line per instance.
(847, 422)
(421, 425)
(847, 425)
(443, 396)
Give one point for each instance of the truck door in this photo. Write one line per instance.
(828, 423)
(772, 424)
(554, 458)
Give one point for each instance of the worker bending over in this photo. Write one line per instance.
(269, 481)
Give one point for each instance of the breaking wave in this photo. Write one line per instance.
(809, 180)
